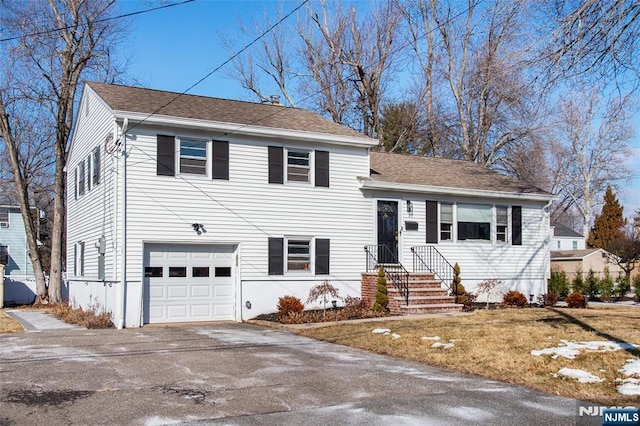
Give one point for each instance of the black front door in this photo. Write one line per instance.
(387, 232)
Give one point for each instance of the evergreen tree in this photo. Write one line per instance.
(608, 225)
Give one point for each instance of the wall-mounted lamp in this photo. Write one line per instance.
(409, 207)
(199, 228)
(248, 304)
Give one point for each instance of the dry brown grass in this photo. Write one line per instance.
(91, 318)
(497, 344)
(8, 324)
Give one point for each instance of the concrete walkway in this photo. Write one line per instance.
(40, 321)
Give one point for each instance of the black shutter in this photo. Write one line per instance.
(322, 256)
(166, 155)
(432, 222)
(276, 164)
(220, 160)
(516, 225)
(322, 168)
(276, 256)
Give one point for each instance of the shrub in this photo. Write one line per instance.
(353, 302)
(621, 288)
(457, 288)
(576, 300)
(578, 285)
(592, 284)
(636, 285)
(514, 298)
(93, 317)
(288, 306)
(548, 299)
(323, 292)
(382, 300)
(605, 286)
(468, 300)
(559, 283)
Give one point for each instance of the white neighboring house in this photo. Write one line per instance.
(565, 238)
(214, 209)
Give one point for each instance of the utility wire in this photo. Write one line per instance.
(111, 18)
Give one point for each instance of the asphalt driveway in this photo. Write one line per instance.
(244, 374)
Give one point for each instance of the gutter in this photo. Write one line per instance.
(415, 188)
(248, 129)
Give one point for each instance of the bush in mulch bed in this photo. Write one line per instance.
(354, 309)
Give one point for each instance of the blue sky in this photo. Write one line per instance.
(172, 48)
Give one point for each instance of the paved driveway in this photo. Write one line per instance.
(243, 374)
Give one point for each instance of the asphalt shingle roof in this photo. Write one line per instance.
(574, 254)
(559, 230)
(443, 172)
(150, 101)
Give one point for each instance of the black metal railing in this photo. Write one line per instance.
(429, 259)
(380, 256)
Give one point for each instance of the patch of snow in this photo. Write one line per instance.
(580, 375)
(570, 350)
(381, 331)
(395, 336)
(629, 389)
(436, 338)
(442, 345)
(157, 421)
(631, 384)
(472, 414)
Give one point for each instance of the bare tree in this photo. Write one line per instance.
(593, 38)
(58, 43)
(595, 133)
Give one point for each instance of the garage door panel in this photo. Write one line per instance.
(202, 290)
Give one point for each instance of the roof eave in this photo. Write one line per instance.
(428, 189)
(245, 129)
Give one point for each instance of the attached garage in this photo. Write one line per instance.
(184, 283)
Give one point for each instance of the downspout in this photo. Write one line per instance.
(123, 266)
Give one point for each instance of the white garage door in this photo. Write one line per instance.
(188, 283)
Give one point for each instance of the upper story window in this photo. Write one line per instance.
(559, 245)
(502, 223)
(81, 178)
(95, 166)
(298, 165)
(474, 222)
(575, 245)
(4, 218)
(193, 157)
(446, 222)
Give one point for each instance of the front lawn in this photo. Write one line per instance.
(8, 324)
(498, 344)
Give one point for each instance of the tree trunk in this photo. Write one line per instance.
(57, 233)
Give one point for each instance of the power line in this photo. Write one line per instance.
(216, 69)
(111, 18)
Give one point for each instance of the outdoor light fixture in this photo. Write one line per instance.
(248, 304)
(199, 228)
(409, 207)
(530, 299)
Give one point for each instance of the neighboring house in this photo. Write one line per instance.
(573, 262)
(214, 209)
(565, 238)
(19, 284)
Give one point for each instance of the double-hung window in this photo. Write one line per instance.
(95, 166)
(446, 222)
(474, 222)
(298, 165)
(298, 255)
(81, 178)
(193, 156)
(502, 223)
(4, 218)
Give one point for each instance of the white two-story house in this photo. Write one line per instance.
(189, 208)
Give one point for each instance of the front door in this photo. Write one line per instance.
(387, 232)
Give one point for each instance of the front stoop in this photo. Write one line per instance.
(426, 295)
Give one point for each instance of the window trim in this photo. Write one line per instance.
(310, 269)
(207, 157)
(505, 224)
(309, 167)
(451, 224)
